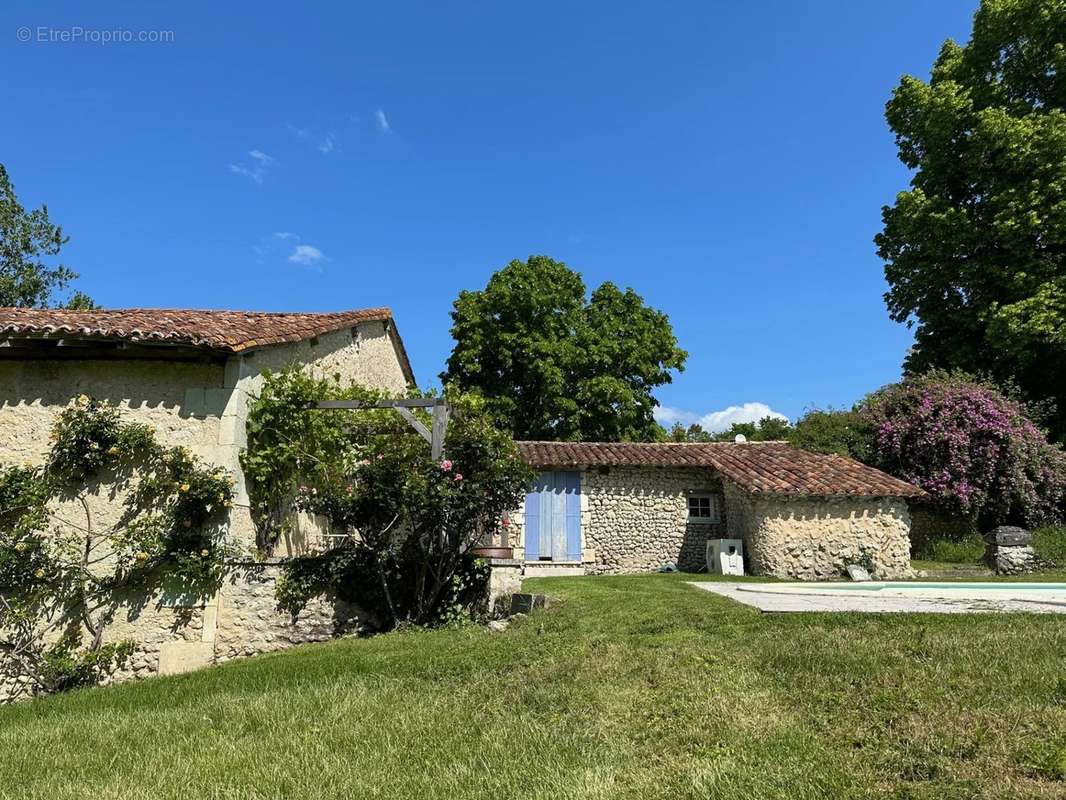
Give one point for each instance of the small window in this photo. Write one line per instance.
(702, 508)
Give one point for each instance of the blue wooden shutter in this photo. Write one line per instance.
(532, 526)
(552, 524)
(553, 517)
(573, 516)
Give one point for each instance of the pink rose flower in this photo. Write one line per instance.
(446, 465)
(458, 477)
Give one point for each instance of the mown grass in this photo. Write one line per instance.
(1050, 545)
(629, 687)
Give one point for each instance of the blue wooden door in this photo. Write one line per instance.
(553, 518)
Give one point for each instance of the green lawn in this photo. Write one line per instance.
(635, 687)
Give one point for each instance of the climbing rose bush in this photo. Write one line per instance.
(63, 574)
(403, 522)
(974, 450)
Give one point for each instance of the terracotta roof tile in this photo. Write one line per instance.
(757, 467)
(233, 331)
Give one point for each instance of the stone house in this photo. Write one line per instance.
(628, 507)
(191, 376)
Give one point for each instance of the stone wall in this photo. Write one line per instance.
(637, 518)
(154, 392)
(814, 538)
(202, 406)
(249, 622)
(505, 579)
(165, 624)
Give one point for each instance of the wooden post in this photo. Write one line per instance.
(440, 427)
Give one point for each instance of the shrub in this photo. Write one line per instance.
(405, 521)
(968, 550)
(843, 433)
(65, 666)
(975, 451)
(939, 536)
(1050, 545)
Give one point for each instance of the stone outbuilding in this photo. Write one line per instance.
(190, 375)
(631, 507)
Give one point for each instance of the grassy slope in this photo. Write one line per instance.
(637, 687)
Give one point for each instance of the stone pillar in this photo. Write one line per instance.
(505, 579)
(1009, 551)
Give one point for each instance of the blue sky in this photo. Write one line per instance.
(727, 160)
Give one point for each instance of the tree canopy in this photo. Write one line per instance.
(26, 237)
(837, 431)
(767, 429)
(975, 251)
(554, 364)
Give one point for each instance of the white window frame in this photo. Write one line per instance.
(713, 518)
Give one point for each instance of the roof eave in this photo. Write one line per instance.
(70, 344)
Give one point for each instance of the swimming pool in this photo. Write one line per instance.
(896, 596)
(945, 590)
(878, 586)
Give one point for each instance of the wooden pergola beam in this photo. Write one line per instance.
(435, 435)
(417, 402)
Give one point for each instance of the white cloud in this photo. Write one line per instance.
(291, 247)
(327, 145)
(298, 132)
(255, 169)
(307, 255)
(383, 121)
(667, 415)
(716, 421)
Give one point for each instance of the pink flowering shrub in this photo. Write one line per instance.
(974, 450)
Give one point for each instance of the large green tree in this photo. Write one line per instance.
(556, 364)
(26, 237)
(975, 251)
